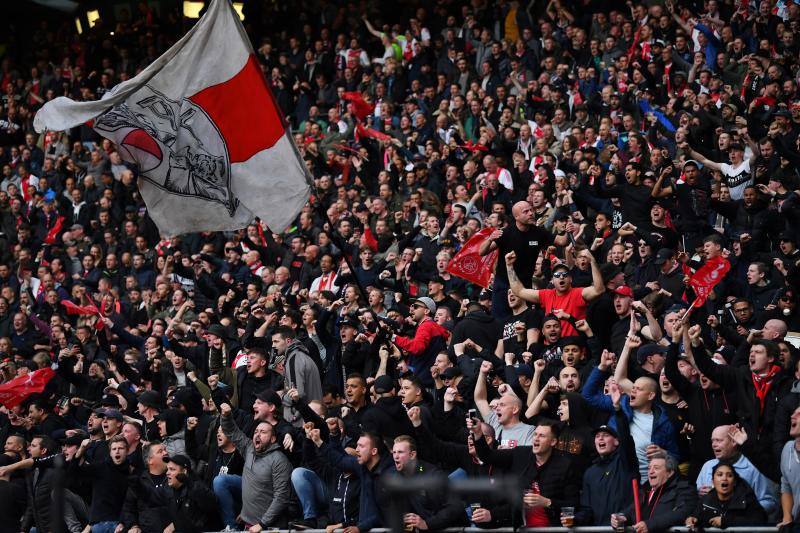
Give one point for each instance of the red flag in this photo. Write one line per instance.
(89, 309)
(54, 231)
(361, 108)
(361, 131)
(370, 240)
(470, 265)
(706, 278)
(75, 309)
(18, 389)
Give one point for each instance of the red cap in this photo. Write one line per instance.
(624, 290)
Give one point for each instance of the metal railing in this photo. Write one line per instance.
(578, 529)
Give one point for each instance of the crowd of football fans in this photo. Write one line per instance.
(608, 155)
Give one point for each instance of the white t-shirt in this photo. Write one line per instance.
(738, 178)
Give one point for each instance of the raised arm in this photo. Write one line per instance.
(490, 243)
(632, 342)
(371, 28)
(700, 157)
(597, 287)
(519, 290)
(480, 390)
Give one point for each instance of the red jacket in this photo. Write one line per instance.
(426, 331)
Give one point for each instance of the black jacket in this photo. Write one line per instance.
(742, 509)
(109, 485)
(738, 379)
(438, 509)
(708, 409)
(671, 504)
(558, 479)
(192, 507)
(146, 503)
(12, 506)
(387, 418)
(40, 501)
(607, 483)
(481, 327)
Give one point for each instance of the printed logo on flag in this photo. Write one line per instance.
(177, 145)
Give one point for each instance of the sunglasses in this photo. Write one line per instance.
(560, 275)
(417, 306)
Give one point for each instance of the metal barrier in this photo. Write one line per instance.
(580, 529)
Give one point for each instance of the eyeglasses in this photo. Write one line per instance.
(417, 306)
(559, 275)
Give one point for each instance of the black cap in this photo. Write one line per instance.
(383, 384)
(606, 429)
(180, 460)
(348, 322)
(663, 255)
(150, 398)
(786, 236)
(649, 349)
(269, 396)
(219, 330)
(450, 372)
(75, 440)
(110, 400)
(113, 413)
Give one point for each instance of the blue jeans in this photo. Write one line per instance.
(104, 527)
(228, 489)
(311, 492)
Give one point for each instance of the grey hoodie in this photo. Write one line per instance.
(265, 478)
(302, 374)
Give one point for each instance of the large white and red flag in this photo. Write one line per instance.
(200, 122)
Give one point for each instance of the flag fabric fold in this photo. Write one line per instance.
(470, 265)
(16, 391)
(707, 277)
(211, 146)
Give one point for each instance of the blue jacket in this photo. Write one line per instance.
(369, 509)
(663, 433)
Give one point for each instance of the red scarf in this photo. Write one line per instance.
(762, 383)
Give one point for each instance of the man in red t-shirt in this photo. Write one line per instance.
(568, 303)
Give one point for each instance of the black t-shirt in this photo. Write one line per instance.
(693, 202)
(532, 318)
(527, 245)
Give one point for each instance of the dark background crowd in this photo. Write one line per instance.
(255, 379)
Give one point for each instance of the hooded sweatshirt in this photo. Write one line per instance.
(265, 478)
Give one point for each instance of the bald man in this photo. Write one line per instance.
(725, 441)
(650, 426)
(527, 240)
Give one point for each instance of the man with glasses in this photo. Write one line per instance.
(568, 303)
(744, 318)
(429, 339)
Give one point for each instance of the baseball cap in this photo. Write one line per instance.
(663, 255)
(647, 350)
(450, 372)
(606, 429)
(180, 460)
(150, 398)
(427, 302)
(113, 413)
(383, 384)
(624, 290)
(524, 370)
(269, 396)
